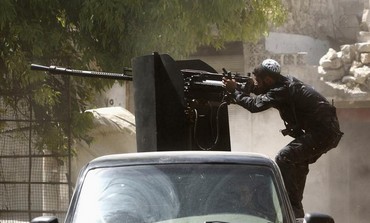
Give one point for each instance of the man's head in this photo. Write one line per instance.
(266, 75)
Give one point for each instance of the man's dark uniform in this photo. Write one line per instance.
(309, 118)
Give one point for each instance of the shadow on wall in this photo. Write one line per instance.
(349, 171)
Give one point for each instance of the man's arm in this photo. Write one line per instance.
(275, 97)
(253, 104)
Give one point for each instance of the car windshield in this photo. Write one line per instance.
(179, 193)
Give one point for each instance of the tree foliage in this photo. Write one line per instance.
(95, 34)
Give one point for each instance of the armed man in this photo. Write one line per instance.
(309, 118)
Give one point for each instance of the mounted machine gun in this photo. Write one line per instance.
(179, 105)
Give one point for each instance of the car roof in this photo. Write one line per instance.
(147, 158)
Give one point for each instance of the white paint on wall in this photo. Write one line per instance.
(292, 43)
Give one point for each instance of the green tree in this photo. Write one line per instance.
(95, 34)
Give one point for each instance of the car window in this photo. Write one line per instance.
(179, 193)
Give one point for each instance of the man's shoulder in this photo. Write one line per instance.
(292, 80)
(280, 90)
(282, 84)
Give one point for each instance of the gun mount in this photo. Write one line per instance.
(179, 105)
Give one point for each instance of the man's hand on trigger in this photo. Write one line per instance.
(229, 85)
(249, 87)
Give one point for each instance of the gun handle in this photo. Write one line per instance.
(225, 72)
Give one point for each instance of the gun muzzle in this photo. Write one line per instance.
(39, 67)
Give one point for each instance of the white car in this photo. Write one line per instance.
(181, 187)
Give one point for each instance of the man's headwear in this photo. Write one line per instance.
(269, 66)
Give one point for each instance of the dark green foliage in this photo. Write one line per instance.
(106, 35)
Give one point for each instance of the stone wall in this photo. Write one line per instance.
(337, 20)
(348, 69)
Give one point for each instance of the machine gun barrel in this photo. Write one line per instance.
(82, 73)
